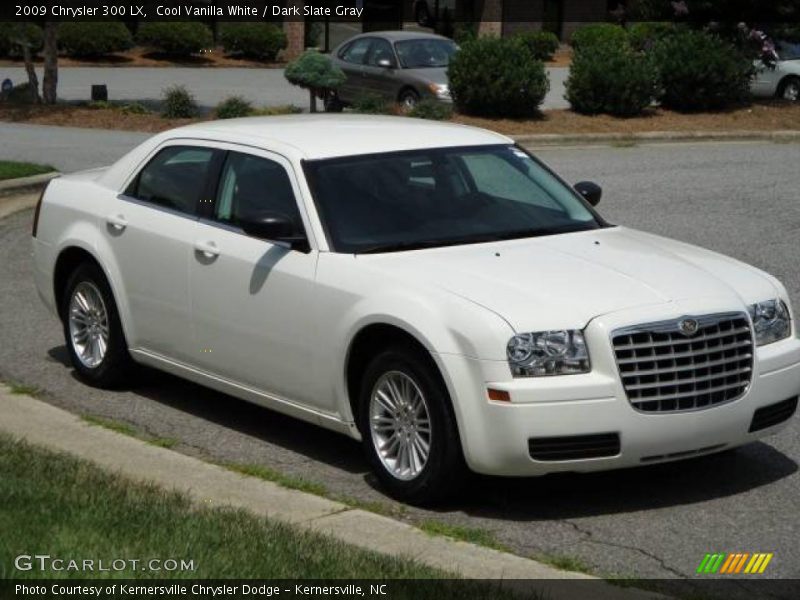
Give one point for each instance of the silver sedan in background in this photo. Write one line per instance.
(399, 66)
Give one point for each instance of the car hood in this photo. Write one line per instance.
(434, 75)
(564, 281)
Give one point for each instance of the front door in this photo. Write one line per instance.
(251, 298)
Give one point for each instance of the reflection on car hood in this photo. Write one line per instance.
(563, 281)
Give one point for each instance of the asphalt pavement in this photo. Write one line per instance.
(654, 522)
(262, 87)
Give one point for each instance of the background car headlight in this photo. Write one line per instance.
(771, 321)
(548, 353)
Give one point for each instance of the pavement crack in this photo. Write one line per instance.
(589, 537)
(330, 514)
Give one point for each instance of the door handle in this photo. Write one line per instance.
(207, 249)
(117, 222)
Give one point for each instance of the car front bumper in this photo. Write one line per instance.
(496, 434)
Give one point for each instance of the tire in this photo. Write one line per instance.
(333, 104)
(88, 312)
(443, 472)
(790, 89)
(408, 99)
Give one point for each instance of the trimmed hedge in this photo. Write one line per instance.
(700, 71)
(432, 110)
(11, 31)
(542, 44)
(591, 36)
(611, 79)
(80, 38)
(643, 36)
(497, 77)
(175, 38)
(257, 40)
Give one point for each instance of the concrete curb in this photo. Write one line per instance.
(546, 139)
(16, 201)
(43, 424)
(26, 182)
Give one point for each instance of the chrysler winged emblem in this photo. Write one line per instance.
(688, 326)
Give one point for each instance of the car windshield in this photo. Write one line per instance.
(441, 197)
(788, 50)
(425, 53)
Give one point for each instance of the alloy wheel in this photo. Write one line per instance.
(88, 324)
(400, 425)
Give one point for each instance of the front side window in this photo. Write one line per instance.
(251, 186)
(425, 53)
(381, 51)
(174, 179)
(440, 197)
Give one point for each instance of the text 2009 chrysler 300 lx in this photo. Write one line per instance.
(431, 289)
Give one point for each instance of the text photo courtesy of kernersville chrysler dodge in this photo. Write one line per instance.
(433, 290)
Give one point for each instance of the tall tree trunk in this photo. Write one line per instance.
(33, 79)
(312, 100)
(50, 80)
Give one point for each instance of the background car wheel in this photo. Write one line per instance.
(408, 428)
(333, 104)
(92, 329)
(408, 99)
(790, 89)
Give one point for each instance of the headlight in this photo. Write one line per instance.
(439, 89)
(771, 321)
(548, 353)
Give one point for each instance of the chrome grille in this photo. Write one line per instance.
(664, 369)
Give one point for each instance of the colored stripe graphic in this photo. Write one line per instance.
(734, 563)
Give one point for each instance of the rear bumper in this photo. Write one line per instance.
(496, 435)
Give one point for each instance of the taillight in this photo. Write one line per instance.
(38, 210)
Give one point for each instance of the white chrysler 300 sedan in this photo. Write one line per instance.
(433, 290)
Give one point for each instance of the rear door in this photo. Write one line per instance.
(150, 230)
(351, 61)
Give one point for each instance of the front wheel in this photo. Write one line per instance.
(92, 329)
(408, 427)
(408, 99)
(790, 89)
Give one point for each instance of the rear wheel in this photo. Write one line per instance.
(790, 89)
(332, 103)
(408, 428)
(92, 329)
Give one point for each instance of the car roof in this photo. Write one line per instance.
(317, 136)
(396, 36)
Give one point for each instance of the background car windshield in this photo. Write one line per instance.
(439, 197)
(423, 54)
(788, 50)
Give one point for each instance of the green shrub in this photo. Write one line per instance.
(11, 32)
(175, 38)
(497, 77)
(699, 71)
(257, 40)
(178, 103)
(20, 94)
(431, 109)
(234, 108)
(316, 73)
(271, 111)
(81, 38)
(611, 79)
(543, 44)
(135, 108)
(590, 36)
(99, 105)
(371, 104)
(643, 36)
(464, 31)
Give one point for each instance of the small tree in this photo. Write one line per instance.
(317, 74)
(28, 38)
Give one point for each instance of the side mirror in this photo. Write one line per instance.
(273, 227)
(590, 191)
(385, 63)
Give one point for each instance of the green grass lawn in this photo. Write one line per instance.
(12, 170)
(61, 506)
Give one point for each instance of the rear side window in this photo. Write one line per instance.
(174, 179)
